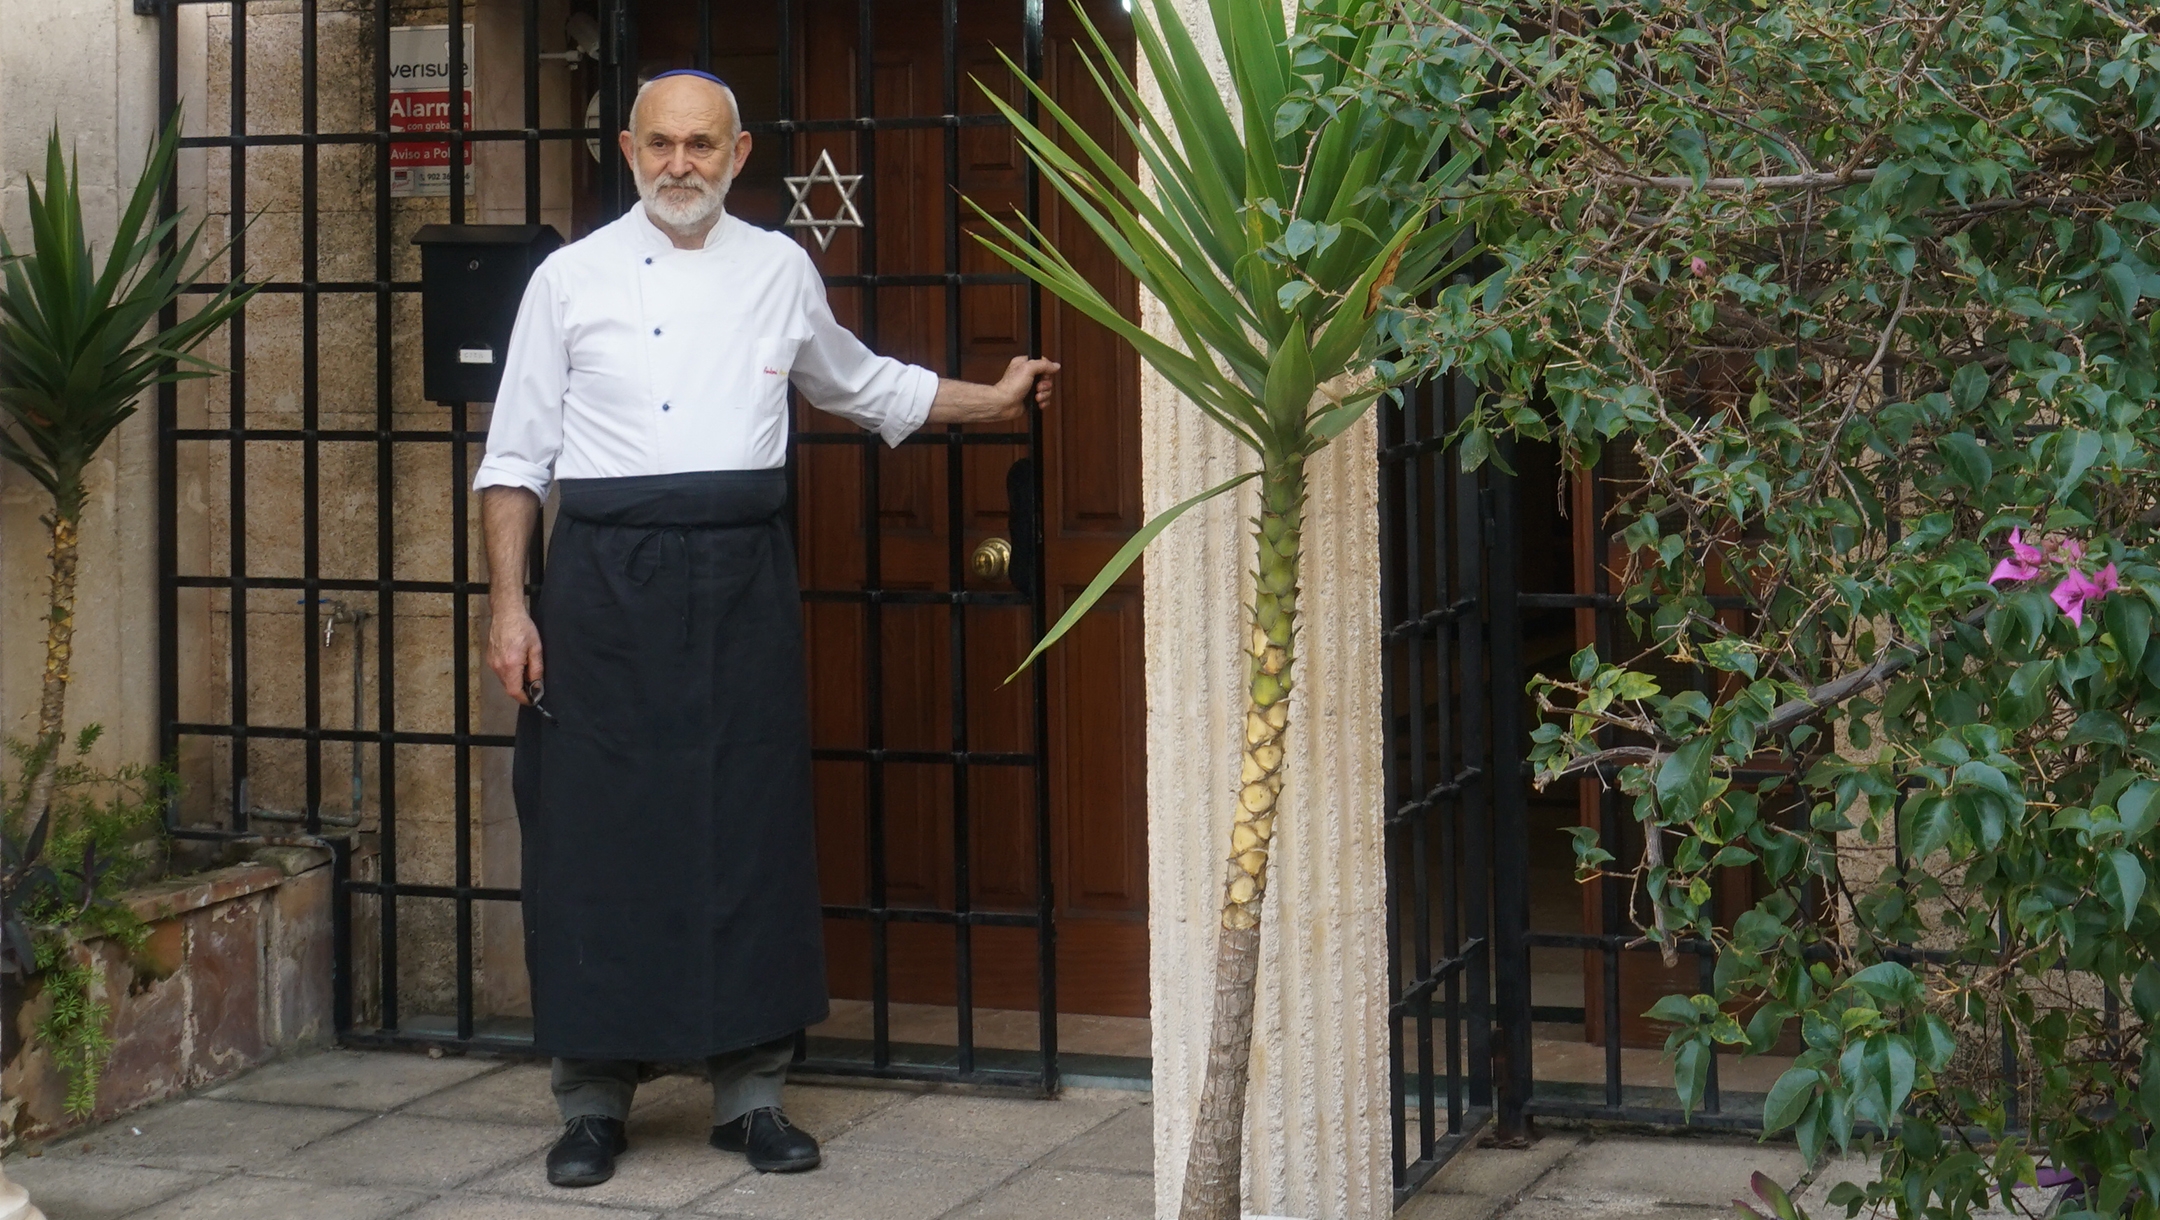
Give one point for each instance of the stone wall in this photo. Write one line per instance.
(236, 971)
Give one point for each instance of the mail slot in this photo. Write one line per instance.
(471, 280)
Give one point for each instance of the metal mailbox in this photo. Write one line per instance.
(471, 280)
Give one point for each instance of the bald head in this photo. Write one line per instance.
(680, 92)
(685, 145)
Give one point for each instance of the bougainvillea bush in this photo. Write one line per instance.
(1858, 297)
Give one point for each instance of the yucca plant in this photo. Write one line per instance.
(79, 343)
(1281, 224)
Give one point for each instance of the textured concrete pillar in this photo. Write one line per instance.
(91, 67)
(1316, 1141)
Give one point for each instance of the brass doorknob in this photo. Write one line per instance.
(992, 559)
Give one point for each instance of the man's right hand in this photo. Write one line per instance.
(514, 651)
(507, 517)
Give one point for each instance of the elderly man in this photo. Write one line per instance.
(662, 768)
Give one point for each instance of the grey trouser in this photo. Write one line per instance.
(742, 1081)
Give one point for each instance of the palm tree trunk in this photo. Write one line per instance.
(1214, 1160)
(59, 657)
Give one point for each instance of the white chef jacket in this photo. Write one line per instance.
(631, 357)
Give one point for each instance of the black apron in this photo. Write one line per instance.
(670, 869)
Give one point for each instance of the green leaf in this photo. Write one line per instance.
(1931, 822)
(2137, 808)
(2145, 993)
(1681, 775)
(2129, 620)
(1676, 1010)
(1789, 1098)
(2122, 884)
(1889, 982)
(1290, 381)
(1969, 387)
(2121, 282)
(1124, 558)
(2099, 725)
(1981, 775)
(2084, 449)
(1691, 1074)
(1966, 459)
(1934, 1041)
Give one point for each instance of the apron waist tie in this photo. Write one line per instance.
(681, 537)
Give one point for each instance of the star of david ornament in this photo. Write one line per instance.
(823, 227)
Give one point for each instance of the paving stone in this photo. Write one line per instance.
(517, 1094)
(659, 1172)
(374, 1081)
(204, 1134)
(826, 1111)
(1125, 1144)
(858, 1185)
(483, 1207)
(249, 1198)
(1495, 1172)
(407, 1150)
(1667, 1169)
(92, 1188)
(983, 1128)
(1449, 1207)
(1067, 1194)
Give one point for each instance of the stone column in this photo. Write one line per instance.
(1316, 1137)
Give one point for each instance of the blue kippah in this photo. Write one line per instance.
(688, 72)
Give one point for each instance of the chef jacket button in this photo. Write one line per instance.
(656, 330)
(664, 406)
(648, 260)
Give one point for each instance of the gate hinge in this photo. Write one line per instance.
(149, 8)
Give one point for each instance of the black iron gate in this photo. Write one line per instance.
(310, 504)
(1443, 591)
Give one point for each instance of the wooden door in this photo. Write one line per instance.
(909, 830)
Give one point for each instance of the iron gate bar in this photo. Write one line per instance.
(1511, 837)
(385, 570)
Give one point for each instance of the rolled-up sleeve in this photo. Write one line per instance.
(837, 373)
(525, 432)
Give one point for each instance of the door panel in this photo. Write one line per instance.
(926, 492)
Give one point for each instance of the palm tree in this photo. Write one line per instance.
(1280, 226)
(74, 357)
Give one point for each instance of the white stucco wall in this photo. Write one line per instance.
(1316, 1142)
(91, 65)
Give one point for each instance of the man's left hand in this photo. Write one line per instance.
(968, 402)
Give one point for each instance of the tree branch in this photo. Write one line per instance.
(1817, 181)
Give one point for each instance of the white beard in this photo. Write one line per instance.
(666, 203)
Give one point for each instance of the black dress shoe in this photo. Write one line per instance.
(585, 1155)
(769, 1140)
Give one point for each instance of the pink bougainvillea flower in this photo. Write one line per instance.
(2070, 550)
(1699, 265)
(2076, 589)
(2106, 581)
(2022, 563)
